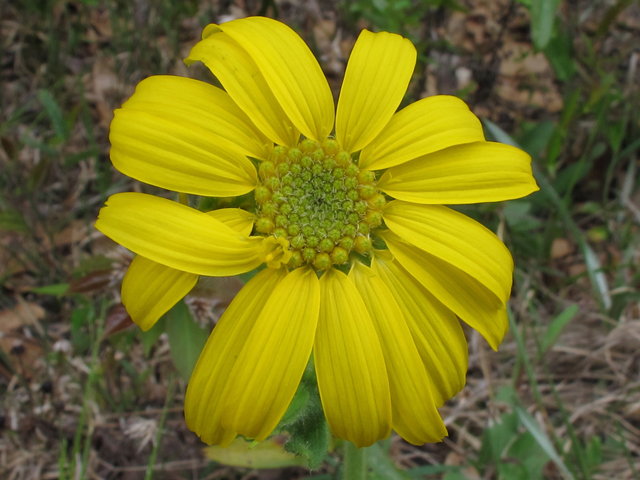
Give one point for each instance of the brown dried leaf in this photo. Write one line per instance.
(22, 352)
(92, 282)
(543, 95)
(561, 247)
(24, 313)
(117, 320)
(101, 24)
(520, 59)
(77, 232)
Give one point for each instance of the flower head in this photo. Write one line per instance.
(364, 267)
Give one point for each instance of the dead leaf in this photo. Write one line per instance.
(76, 232)
(542, 95)
(561, 248)
(92, 282)
(24, 313)
(22, 352)
(520, 59)
(117, 320)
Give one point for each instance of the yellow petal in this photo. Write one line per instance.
(274, 357)
(291, 71)
(177, 236)
(173, 145)
(150, 289)
(352, 377)
(187, 101)
(415, 416)
(235, 218)
(471, 173)
(211, 377)
(436, 331)
(456, 239)
(377, 76)
(457, 290)
(424, 127)
(240, 77)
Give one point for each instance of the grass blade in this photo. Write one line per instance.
(556, 326)
(543, 13)
(55, 114)
(594, 268)
(534, 429)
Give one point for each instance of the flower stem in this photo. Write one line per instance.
(355, 462)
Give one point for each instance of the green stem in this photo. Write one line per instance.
(163, 417)
(355, 462)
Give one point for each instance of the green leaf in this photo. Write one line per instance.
(559, 52)
(13, 221)
(80, 317)
(186, 338)
(516, 214)
(55, 114)
(594, 453)
(150, 337)
(420, 472)
(537, 137)
(381, 467)
(531, 458)
(507, 394)
(56, 289)
(496, 438)
(543, 14)
(455, 476)
(512, 471)
(556, 326)
(543, 441)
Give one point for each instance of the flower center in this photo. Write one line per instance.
(319, 201)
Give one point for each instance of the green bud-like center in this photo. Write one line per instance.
(315, 197)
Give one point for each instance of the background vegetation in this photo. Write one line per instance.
(86, 395)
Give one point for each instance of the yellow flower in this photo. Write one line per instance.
(387, 343)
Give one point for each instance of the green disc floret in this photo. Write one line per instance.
(317, 199)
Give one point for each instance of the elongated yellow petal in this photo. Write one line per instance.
(166, 137)
(377, 76)
(457, 290)
(235, 218)
(456, 239)
(415, 416)
(177, 236)
(291, 71)
(241, 78)
(435, 329)
(150, 289)
(352, 377)
(469, 173)
(211, 377)
(424, 127)
(274, 357)
(188, 102)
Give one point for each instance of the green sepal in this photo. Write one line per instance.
(305, 423)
